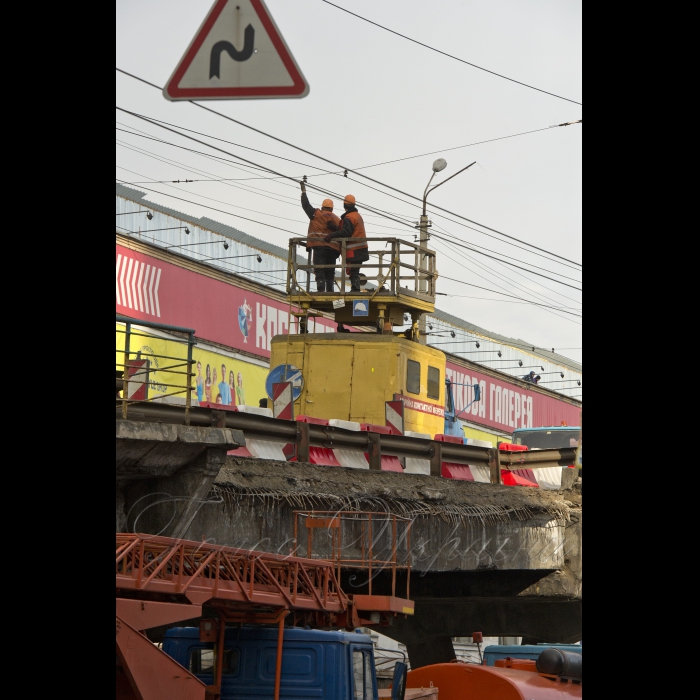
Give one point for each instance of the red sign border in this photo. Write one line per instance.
(172, 90)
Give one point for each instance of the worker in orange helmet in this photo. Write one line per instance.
(353, 228)
(324, 252)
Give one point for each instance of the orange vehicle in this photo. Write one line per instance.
(557, 676)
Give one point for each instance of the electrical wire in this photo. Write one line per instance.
(163, 126)
(466, 145)
(189, 201)
(283, 177)
(179, 189)
(269, 225)
(506, 262)
(240, 145)
(506, 278)
(509, 279)
(337, 165)
(452, 279)
(461, 60)
(546, 306)
(314, 187)
(250, 189)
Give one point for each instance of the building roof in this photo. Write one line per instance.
(513, 342)
(204, 222)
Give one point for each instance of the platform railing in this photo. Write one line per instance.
(369, 541)
(136, 365)
(399, 267)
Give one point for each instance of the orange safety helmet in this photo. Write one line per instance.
(349, 199)
(327, 203)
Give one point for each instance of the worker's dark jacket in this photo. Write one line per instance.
(319, 225)
(353, 227)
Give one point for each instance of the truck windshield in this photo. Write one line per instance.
(544, 439)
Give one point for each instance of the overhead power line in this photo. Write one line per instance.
(506, 262)
(545, 301)
(174, 130)
(189, 201)
(466, 145)
(338, 165)
(461, 60)
(251, 163)
(469, 284)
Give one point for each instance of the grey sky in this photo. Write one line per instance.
(375, 97)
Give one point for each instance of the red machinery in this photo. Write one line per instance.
(463, 681)
(161, 581)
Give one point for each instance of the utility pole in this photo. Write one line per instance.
(420, 262)
(439, 165)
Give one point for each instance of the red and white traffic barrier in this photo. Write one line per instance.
(349, 458)
(390, 463)
(545, 477)
(480, 473)
(261, 449)
(319, 455)
(517, 477)
(454, 470)
(417, 466)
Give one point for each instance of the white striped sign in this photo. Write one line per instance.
(137, 285)
(393, 412)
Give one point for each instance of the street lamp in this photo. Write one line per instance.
(438, 166)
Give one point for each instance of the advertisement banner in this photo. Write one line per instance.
(505, 405)
(154, 290)
(219, 378)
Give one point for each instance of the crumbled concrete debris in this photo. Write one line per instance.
(312, 485)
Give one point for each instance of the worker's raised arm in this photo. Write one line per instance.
(310, 211)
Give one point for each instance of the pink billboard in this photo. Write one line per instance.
(505, 405)
(154, 290)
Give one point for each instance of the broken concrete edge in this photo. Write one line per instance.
(230, 438)
(305, 485)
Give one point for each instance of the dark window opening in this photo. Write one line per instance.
(433, 383)
(413, 377)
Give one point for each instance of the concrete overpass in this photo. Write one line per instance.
(502, 560)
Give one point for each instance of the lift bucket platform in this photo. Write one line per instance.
(399, 278)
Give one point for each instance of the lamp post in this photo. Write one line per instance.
(439, 165)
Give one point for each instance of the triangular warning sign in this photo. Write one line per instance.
(237, 54)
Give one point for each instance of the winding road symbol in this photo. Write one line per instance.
(230, 49)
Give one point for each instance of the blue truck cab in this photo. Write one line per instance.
(315, 664)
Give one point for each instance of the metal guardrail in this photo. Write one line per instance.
(388, 264)
(134, 369)
(306, 435)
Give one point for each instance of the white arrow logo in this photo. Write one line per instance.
(137, 285)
